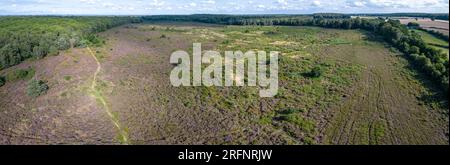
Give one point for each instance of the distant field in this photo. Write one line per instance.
(426, 23)
(365, 94)
(433, 41)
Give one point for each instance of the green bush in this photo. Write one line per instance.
(304, 124)
(2, 80)
(93, 40)
(315, 72)
(83, 43)
(413, 25)
(36, 88)
(67, 78)
(20, 74)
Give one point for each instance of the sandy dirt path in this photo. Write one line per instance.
(96, 93)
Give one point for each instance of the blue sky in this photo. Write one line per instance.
(150, 7)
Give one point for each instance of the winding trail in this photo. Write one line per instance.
(96, 93)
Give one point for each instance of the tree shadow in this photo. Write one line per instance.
(436, 95)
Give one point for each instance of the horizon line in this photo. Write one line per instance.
(371, 13)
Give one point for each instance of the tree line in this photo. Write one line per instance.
(23, 37)
(430, 61)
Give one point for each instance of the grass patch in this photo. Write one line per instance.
(378, 132)
(294, 118)
(67, 78)
(338, 41)
(20, 74)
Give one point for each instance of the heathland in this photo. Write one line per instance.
(346, 82)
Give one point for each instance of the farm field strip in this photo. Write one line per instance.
(440, 26)
(433, 41)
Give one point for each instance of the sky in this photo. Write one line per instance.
(156, 7)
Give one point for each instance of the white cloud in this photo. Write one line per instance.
(108, 4)
(158, 3)
(282, 2)
(218, 6)
(89, 1)
(359, 4)
(396, 4)
(316, 3)
(210, 2)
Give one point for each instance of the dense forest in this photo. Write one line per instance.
(37, 36)
(432, 62)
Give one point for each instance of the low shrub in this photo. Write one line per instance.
(2, 80)
(67, 78)
(20, 74)
(36, 88)
(304, 124)
(315, 72)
